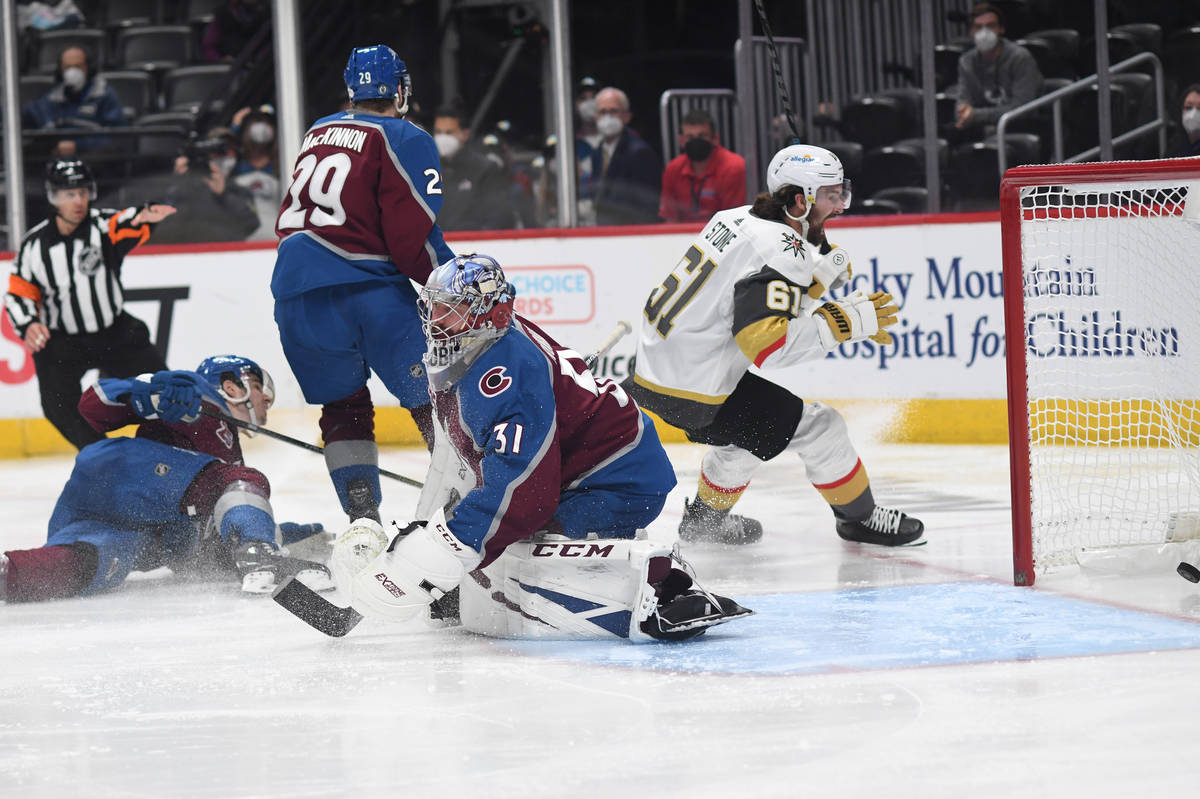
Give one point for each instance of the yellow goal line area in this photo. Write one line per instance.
(1118, 422)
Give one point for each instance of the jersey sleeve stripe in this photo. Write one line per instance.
(23, 288)
(117, 232)
(759, 339)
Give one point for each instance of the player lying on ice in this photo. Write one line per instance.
(175, 495)
(542, 479)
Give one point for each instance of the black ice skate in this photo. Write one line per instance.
(704, 524)
(885, 527)
(685, 610)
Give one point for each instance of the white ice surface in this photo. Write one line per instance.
(167, 689)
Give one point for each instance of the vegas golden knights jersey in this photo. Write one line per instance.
(733, 300)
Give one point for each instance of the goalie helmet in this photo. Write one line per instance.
(377, 73)
(807, 168)
(219, 368)
(465, 305)
(70, 173)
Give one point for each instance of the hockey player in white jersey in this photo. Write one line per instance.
(748, 291)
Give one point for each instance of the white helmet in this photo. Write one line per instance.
(808, 168)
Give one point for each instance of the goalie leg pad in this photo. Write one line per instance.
(553, 587)
(420, 566)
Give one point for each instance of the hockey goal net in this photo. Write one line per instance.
(1102, 289)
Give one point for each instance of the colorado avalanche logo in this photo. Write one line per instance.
(494, 382)
(792, 244)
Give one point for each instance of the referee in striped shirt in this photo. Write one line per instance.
(65, 297)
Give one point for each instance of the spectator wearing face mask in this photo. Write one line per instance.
(476, 189)
(993, 77)
(257, 170)
(628, 175)
(1188, 145)
(587, 139)
(78, 99)
(705, 177)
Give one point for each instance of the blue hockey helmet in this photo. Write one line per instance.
(377, 73)
(219, 368)
(466, 304)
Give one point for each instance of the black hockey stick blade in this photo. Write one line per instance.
(1188, 572)
(314, 610)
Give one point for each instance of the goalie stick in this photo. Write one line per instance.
(253, 428)
(318, 612)
(315, 610)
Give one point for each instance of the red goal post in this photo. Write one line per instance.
(1102, 290)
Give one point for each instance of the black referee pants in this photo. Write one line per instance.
(122, 350)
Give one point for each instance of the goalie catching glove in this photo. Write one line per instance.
(424, 562)
(855, 318)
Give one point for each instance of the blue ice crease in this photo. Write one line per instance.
(893, 627)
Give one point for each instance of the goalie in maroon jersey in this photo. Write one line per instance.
(543, 480)
(356, 226)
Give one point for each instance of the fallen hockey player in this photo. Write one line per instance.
(177, 494)
(542, 482)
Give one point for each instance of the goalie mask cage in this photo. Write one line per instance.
(1102, 289)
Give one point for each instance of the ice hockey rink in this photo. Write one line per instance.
(919, 672)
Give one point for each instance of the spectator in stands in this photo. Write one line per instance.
(587, 140)
(628, 173)
(257, 170)
(476, 189)
(1188, 144)
(993, 77)
(705, 177)
(212, 207)
(78, 99)
(232, 27)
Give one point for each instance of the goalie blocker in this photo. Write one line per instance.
(547, 586)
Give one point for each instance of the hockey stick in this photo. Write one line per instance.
(322, 615)
(623, 329)
(783, 92)
(315, 610)
(253, 428)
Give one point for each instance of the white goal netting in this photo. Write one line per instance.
(1111, 283)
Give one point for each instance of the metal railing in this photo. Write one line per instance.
(1056, 97)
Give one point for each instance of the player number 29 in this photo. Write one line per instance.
(323, 181)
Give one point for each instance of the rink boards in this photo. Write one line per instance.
(942, 379)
